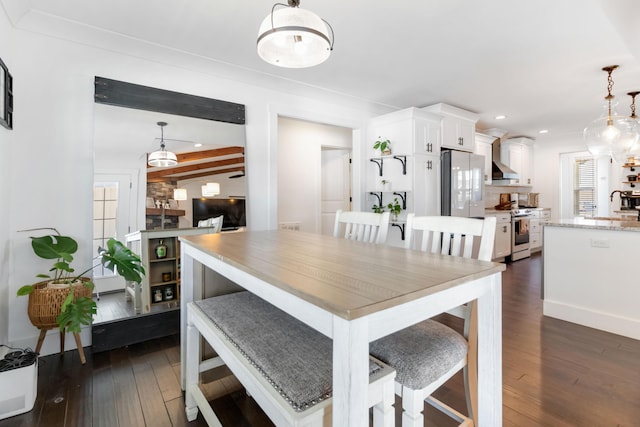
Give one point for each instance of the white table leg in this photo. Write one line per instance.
(186, 296)
(350, 372)
(490, 355)
(191, 365)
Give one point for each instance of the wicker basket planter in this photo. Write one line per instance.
(45, 302)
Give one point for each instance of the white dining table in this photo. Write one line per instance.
(354, 293)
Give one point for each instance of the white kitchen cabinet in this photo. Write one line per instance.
(502, 242)
(517, 153)
(412, 171)
(426, 183)
(458, 126)
(539, 218)
(535, 232)
(426, 137)
(410, 131)
(484, 147)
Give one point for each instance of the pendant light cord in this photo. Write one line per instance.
(633, 104)
(609, 97)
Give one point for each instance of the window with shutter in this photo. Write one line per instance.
(585, 189)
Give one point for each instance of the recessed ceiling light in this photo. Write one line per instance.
(197, 144)
(501, 117)
(544, 131)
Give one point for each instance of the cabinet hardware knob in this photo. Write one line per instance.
(460, 141)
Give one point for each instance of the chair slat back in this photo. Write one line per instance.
(216, 223)
(363, 226)
(455, 236)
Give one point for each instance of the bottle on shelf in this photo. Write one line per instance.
(157, 295)
(161, 249)
(168, 293)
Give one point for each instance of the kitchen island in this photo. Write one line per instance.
(588, 274)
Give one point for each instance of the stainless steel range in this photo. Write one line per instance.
(520, 222)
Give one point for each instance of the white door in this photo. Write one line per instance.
(336, 185)
(114, 206)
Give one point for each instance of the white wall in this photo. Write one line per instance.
(6, 140)
(299, 154)
(50, 154)
(547, 168)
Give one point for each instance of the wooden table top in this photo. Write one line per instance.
(347, 278)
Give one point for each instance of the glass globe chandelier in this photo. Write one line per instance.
(294, 38)
(635, 150)
(162, 157)
(611, 134)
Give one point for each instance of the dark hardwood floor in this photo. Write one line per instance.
(554, 374)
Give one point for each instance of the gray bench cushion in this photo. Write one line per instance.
(421, 353)
(295, 358)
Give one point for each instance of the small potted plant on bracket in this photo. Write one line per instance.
(64, 299)
(394, 209)
(384, 145)
(377, 209)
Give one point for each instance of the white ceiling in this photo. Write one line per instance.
(539, 62)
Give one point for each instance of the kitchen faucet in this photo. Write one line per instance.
(614, 192)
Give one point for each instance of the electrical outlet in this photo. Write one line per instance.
(599, 243)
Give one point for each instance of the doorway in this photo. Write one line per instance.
(313, 159)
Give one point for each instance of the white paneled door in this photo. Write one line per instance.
(336, 185)
(115, 211)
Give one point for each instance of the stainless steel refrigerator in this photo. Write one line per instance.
(462, 184)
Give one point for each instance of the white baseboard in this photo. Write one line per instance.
(593, 319)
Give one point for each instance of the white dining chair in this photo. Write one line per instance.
(214, 222)
(364, 226)
(427, 354)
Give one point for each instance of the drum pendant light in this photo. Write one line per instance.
(210, 189)
(611, 134)
(291, 37)
(162, 157)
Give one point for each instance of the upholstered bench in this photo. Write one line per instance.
(285, 365)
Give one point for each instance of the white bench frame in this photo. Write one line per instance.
(381, 385)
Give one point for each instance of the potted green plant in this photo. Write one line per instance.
(394, 209)
(75, 290)
(384, 145)
(377, 209)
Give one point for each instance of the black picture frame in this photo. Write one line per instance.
(6, 97)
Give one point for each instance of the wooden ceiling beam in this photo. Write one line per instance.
(194, 167)
(206, 154)
(196, 175)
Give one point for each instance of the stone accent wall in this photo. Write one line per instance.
(162, 191)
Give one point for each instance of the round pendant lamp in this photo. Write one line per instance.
(291, 37)
(162, 157)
